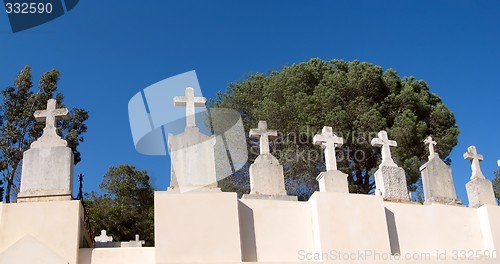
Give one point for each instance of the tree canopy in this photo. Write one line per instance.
(357, 99)
(126, 205)
(496, 185)
(18, 127)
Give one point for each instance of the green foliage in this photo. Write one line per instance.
(357, 99)
(19, 128)
(496, 185)
(126, 207)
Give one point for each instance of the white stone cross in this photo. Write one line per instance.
(50, 116)
(190, 102)
(383, 142)
(264, 135)
(431, 143)
(498, 163)
(139, 242)
(329, 142)
(103, 238)
(475, 158)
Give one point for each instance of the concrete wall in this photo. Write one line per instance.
(219, 228)
(54, 224)
(434, 228)
(116, 255)
(274, 230)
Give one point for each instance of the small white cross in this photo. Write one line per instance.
(190, 102)
(431, 143)
(264, 135)
(475, 158)
(329, 142)
(383, 142)
(137, 240)
(103, 238)
(498, 163)
(50, 116)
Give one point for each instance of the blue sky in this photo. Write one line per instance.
(109, 50)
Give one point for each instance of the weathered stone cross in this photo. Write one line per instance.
(431, 143)
(190, 102)
(383, 142)
(50, 116)
(329, 142)
(475, 158)
(264, 135)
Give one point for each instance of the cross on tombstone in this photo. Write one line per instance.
(263, 134)
(329, 142)
(475, 158)
(50, 116)
(431, 143)
(139, 242)
(383, 142)
(190, 102)
(103, 238)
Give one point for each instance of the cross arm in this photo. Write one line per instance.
(200, 101)
(180, 100)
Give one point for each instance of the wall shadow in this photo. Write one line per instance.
(247, 233)
(393, 232)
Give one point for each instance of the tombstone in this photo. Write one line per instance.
(105, 241)
(479, 189)
(390, 180)
(133, 243)
(266, 173)
(331, 180)
(437, 181)
(47, 170)
(103, 237)
(191, 152)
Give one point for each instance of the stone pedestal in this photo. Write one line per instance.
(391, 183)
(339, 224)
(438, 183)
(47, 174)
(197, 227)
(193, 162)
(267, 180)
(480, 192)
(333, 181)
(42, 232)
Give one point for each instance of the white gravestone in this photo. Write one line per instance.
(103, 240)
(47, 171)
(191, 152)
(331, 180)
(266, 174)
(103, 237)
(479, 189)
(390, 180)
(437, 181)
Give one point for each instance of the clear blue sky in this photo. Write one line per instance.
(109, 50)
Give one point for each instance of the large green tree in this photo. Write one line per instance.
(496, 184)
(19, 128)
(357, 99)
(125, 207)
